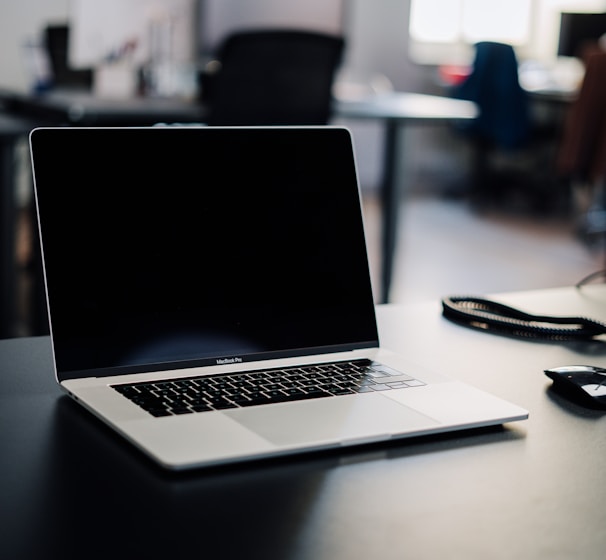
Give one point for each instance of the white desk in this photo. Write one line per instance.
(397, 109)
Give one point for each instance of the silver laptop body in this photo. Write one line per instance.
(228, 264)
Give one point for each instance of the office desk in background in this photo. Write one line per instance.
(76, 108)
(71, 488)
(394, 109)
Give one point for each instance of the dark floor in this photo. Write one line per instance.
(447, 247)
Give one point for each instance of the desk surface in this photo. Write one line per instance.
(80, 108)
(84, 109)
(405, 106)
(70, 488)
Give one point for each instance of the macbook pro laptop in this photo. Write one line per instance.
(209, 295)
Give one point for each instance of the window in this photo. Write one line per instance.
(444, 30)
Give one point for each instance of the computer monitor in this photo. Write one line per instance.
(577, 29)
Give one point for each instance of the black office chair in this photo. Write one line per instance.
(272, 77)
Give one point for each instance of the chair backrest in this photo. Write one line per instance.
(273, 77)
(494, 86)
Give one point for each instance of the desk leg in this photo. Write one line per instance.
(390, 204)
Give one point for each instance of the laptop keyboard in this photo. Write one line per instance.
(233, 390)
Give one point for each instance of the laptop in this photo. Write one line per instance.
(209, 295)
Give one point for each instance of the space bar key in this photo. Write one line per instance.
(286, 398)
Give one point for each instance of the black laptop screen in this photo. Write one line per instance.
(171, 247)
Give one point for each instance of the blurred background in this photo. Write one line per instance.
(510, 201)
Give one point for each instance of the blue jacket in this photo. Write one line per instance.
(504, 119)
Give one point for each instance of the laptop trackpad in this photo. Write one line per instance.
(331, 419)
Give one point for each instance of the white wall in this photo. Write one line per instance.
(377, 37)
(377, 45)
(22, 20)
(378, 42)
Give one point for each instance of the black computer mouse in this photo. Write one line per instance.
(583, 384)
